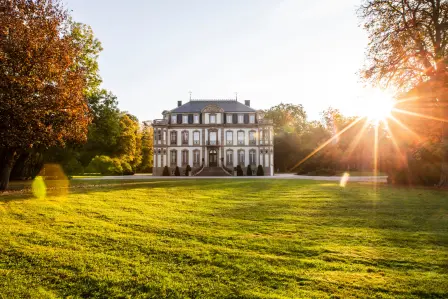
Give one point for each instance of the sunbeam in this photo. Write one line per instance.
(402, 125)
(420, 115)
(326, 143)
(355, 142)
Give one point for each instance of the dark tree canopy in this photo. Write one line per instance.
(407, 50)
(42, 84)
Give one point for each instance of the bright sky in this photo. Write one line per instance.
(269, 51)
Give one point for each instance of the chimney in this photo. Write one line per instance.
(247, 103)
(179, 103)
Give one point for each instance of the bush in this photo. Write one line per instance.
(177, 171)
(417, 173)
(187, 171)
(239, 171)
(105, 165)
(260, 171)
(166, 171)
(127, 169)
(249, 170)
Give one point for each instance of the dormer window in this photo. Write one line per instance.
(173, 118)
(252, 118)
(240, 118)
(196, 118)
(185, 119)
(213, 118)
(229, 118)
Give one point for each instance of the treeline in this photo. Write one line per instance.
(319, 147)
(52, 107)
(117, 144)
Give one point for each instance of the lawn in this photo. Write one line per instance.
(225, 239)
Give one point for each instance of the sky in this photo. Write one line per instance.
(268, 51)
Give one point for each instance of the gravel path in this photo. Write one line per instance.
(284, 176)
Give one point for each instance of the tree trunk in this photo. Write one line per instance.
(444, 168)
(7, 159)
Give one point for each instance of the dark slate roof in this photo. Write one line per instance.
(195, 106)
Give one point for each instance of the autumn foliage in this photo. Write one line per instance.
(42, 85)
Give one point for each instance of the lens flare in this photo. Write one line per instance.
(39, 188)
(344, 180)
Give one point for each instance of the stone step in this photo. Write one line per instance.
(212, 171)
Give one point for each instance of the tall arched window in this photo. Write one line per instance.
(173, 137)
(184, 157)
(252, 137)
(196, 158)
(240, 137)
(196, 137)
(229, 157)
(252, 157)
(241, 158)
(185, 137)
(229, 137)
(173, 158)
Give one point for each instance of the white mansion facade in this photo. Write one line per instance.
(213, 134)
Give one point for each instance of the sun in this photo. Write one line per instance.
(378, 106)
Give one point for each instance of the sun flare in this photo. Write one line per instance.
(378, 106)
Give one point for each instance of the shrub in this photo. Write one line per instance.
(104, 165)
(249, 170)
(127, 169)
(177, 171)
(260, 171)
(166, 171)
(239, 171)
(187, 171)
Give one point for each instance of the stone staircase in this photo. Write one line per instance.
(213, 171)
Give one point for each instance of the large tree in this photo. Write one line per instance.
(408, 46)
(42, 82)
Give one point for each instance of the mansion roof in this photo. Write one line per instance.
(196, 106)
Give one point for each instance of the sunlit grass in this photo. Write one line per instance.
(225, 239)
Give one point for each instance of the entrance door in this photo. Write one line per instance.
(213, 158)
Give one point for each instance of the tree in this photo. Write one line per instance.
(408, 46)
(287, 118)
(43, 102)
(147, 148)
(260, 170)
(129, 141)
(249, 170)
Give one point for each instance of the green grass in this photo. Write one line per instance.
(225, 239)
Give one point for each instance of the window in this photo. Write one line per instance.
(213, 138)
(184, 137)
(240, 118)
(229, 157)
(229, 137)
(252, 157)
(173, 137)
(173, 158)
(196, 137)
(173, 118)
(185, 119)
(159, 135)
(185, 157)
(196, 158)
(252, 118)
(196, 118)
(241, 157)
(252, 139)
(240, 137)
(261, 137)
(229, 119)
(212, 118)
(266, 136)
